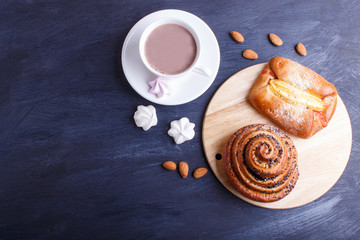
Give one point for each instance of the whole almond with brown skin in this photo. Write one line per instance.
(199, 172)
(238, 37)
(169, 165)
(300, 48)
(183, 169)
(250, 54)
(275, 39)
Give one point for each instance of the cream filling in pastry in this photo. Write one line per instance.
(294, 95)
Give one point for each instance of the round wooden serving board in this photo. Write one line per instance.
(322, 158)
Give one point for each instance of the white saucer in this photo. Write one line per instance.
(184, 89)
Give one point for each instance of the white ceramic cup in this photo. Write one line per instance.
(195, 67)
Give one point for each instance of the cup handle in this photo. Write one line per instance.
(203, 71)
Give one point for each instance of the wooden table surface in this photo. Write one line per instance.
(73, 165)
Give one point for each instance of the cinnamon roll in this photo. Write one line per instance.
(261, 162)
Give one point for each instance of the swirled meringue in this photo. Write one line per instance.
(181, 130)
(145, 117)
(159, 87)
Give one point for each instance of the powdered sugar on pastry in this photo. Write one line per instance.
(290, 112)
(300, 79)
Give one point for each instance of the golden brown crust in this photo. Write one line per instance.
(297, 119)
(261, 162)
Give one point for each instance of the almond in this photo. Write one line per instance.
(250, 54)
(238, 37)
(169, 165)
(199, 172)
(183, 169)
(275, 39)
(300, 48)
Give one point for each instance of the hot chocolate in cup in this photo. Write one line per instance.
(170, 48)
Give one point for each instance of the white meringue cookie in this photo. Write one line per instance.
(159, 87)
(145, 117)
(181, 130)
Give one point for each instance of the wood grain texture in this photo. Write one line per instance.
(321, 159)
(73, 165)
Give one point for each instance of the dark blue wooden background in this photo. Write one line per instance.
(73, 165)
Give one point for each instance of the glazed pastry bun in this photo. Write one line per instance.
(294, 97)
